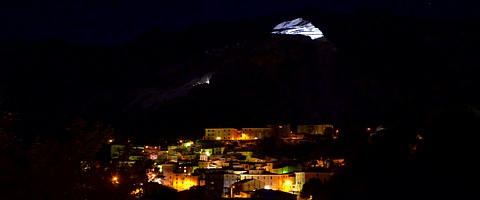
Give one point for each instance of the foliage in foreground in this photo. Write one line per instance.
(61, 168)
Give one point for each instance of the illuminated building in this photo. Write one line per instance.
(180, 177)
(218, 150)
(168, 169)
(127, 155)
(216, 181)
(151, 151)
(116, 150)
(207, 152)
(252, 165)
(247, 154)
(136, 157)
(282, 182)
(172, 147)
(302, 177)
(256, 133)
(187, 168)
(183, 181)
(279, 168)
(188, 156)
(221, 134)
(314, 129)
(187, 145)
(234, 134)
(247, 185)
(203, 164)
(203, 156)
(230, 179)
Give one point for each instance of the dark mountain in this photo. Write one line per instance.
(279, 78)
(374, 69)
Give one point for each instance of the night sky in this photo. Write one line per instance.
(115, 22)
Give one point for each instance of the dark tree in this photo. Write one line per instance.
(59, 168)
(156, 191)
(313, 187)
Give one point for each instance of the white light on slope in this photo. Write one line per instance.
(204, 80)
(298, 26)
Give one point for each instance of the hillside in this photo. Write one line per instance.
(374, 69)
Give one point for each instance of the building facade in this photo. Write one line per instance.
(313, 129)
(256, 133)
(280, 130)
(302, 177)
(282, 182)
(221, 134)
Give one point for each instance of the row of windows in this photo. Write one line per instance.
(225, 138)
(256, 129)
(212, 134)
(228, 130)
(257, 177)
(224, 130)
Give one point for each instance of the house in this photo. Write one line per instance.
(255, 133)
(221, 134)
(302, 177)
(283, 182)
(247, 185)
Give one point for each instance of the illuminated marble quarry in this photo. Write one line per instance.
(298, 26)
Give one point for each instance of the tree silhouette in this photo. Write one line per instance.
(62, 168)
(313, 187)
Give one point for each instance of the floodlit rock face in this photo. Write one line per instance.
(298, 26)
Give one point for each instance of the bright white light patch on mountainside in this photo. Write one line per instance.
(204, 80)
(298, 26)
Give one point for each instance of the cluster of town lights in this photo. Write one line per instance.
(115, 179)
(283, 184)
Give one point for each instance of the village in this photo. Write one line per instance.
(233, 163)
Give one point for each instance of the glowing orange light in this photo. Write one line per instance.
(115, 179)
